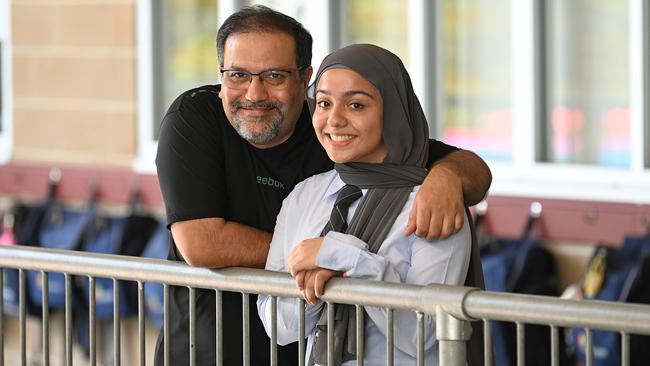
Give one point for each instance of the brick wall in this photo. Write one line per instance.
(74, 81)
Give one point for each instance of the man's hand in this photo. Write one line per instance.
(303, 256)
(438, 210)
(312, 282)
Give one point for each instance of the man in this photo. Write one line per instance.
(227, 157)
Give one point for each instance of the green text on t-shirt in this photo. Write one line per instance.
(268, 181)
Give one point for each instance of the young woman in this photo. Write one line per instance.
(370, 122)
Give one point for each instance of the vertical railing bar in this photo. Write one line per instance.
(555, 346)
(45, 319)
(330, 334)
(91, 321)
(390, 337)
(625, 349)
(141, 326)
(166, 330)
(589, 347)
(22, 304)
(360, 334)
(301, 332)
(116, 323)
(246, 329)
(192, 306)
(274, 330)
(521, 351)
(219, 326)
(487, 342)
(68, 319)
(420, 339)
(2, 316)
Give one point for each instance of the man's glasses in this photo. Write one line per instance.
(241, 79)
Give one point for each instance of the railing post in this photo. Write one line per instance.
(452, 335)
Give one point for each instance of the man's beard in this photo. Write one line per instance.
(271, 126)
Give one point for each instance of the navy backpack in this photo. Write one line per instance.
(126, 235)
(157, 247)
(526, 267)
(60, 227)
(10, 289)
(617, 274)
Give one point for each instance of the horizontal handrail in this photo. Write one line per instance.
(461, 302)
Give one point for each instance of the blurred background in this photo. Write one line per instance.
(553, 94)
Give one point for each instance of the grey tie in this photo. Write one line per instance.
(338, 217)
(345, 321)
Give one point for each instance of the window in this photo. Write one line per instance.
(588, 62)
(554, 95)
(580, 72)
(177, 52)
(185, 33)
(5, 83)
(298, 9)
(474, 62)
(381, 22)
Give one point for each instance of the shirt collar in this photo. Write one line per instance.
(335, 186)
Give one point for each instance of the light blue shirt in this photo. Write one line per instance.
(400, 259)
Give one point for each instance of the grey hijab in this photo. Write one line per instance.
(389, 184)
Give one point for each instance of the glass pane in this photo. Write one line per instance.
(1, 85)
(474, 59)
(185, 48)
(589, 115)
(296, 9)
(380, 22)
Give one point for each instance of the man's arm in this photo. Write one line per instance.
(474, 174)
(216, 243)
(460, 177)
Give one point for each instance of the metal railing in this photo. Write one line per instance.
(454, 306)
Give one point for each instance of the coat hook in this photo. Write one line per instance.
(536, 209)
(55, 175)
(481, 208)
(94, 194)
(54, 178)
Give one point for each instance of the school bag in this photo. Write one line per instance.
(520, 266)
(616, 274)
(10, 289)
(157, 247)
(60, 227)
(112, 234)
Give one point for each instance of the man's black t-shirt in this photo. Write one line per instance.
(206, 169)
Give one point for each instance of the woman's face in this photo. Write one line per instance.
(348, 117)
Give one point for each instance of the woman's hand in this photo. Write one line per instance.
(303, 256)
(311, 283)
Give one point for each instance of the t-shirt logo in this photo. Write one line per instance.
(268, 181)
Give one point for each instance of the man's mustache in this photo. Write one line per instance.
(251, 105)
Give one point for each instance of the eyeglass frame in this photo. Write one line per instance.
(259, 75)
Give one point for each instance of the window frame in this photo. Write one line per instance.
(147, 145)
(149, 72)
(6, 140)
(527, 175)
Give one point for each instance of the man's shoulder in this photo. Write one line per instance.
(196, 109)
(203, 97)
